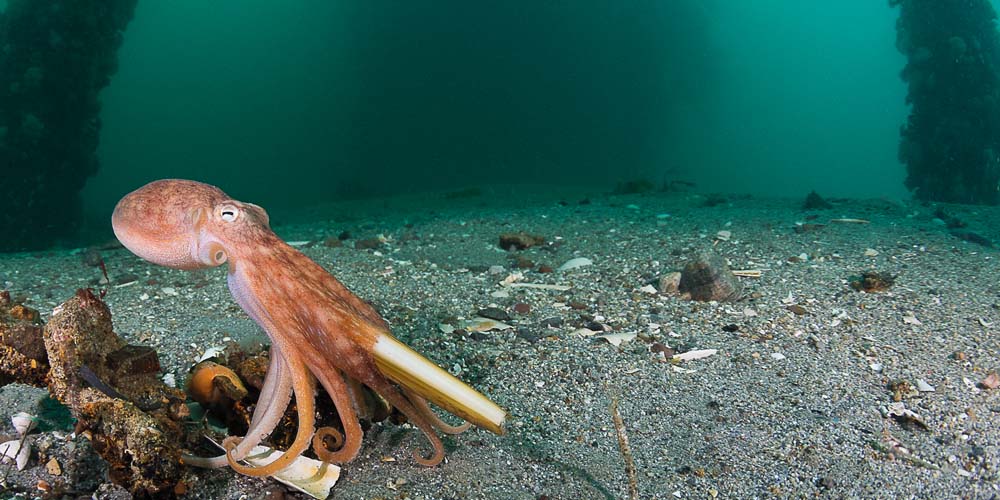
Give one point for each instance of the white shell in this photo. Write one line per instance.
(16, 451)
(23, 422)
(696, 354)
(211, 352)
(312, 477)
(575, 263)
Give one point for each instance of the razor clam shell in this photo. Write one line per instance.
(17, 451)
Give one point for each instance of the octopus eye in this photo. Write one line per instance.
(228, 213)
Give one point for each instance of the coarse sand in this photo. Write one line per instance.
(815, 389)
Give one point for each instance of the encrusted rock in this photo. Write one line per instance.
(113, 391)
(708, 277)
(22, 350)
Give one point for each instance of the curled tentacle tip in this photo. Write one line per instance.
(430, 461)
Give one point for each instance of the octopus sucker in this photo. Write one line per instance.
(320, 331)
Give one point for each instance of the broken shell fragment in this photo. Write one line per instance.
(15, 451)
(575, 263)
(695, 354)
(23, 422)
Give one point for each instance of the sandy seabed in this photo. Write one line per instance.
(796, 402)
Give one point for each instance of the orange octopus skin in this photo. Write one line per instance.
(320, 331)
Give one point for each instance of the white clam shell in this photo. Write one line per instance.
(312, 477)
(23, 422)
(15, 451)
(575, 263)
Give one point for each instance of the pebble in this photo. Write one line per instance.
(52, 466)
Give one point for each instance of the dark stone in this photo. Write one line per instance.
(494, 313)
(815, 202)
(519, 241)
(708, 278)
(552, 322)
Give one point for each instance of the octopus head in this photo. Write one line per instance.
(185, 224)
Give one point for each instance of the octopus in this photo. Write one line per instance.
(319, 330)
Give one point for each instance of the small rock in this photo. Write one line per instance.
(519, 241)
(52, 466)
(708, 278)
(368, 244)
(669, 283)
(553, 322)
(797, 309)
(494, 313)
(992, 381)
(522, 308)
(815, 202)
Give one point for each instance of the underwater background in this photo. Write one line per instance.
(295, 103)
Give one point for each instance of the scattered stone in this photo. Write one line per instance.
(808, 227)
(552, 322)
(659, 348)
(708, 277)
(669, 283)
(368, 244)
(815, 202)
(519, 241)
(973, 237)
(992, 381)
(950, 221)
(522, 308)
(494, 313)
(871, 282)
(923, 386)
(797, 309)
(333, 242)
(522, 262)
(52, 467)
(545, 269)
(714, 200)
